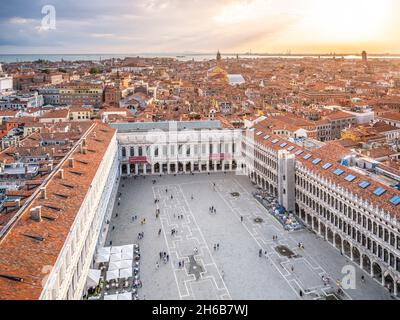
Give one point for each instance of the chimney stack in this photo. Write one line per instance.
(36, 213)
(43, 192)
(71, 162)
(61, 173)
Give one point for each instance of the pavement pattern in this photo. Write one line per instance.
(217, 255)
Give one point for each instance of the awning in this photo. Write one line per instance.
(93, 278)
(102, 257)
(111, 297)
(116, 249)
(114, 265)
(125, 273)
(115, 257)
(112, 275)
(127, 255)
(104, 250)
(126, 264)
(127, 249)
(125, 296)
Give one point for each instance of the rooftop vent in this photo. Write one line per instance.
(36, 213)
(38, 238)
(12, 278)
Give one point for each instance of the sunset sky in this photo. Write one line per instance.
(130, 26)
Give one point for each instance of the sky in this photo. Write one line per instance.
(201, 26)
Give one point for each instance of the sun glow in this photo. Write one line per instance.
(349, 20)
(242, 11)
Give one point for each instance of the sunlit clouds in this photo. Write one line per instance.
(128, 26)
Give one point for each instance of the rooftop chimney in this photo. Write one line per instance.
(36, 213)
(71, 162)
(61, 173)
(43, 192)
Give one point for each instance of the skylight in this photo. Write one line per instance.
(380, 191)
(259, 133)
(299, 152)
(350, 178)
(266, 137)
(338, 172)
(326, 166)
(316, 161)
(307, 156)
(395, 200)
(275, 141)
(283, 144)
(364, 184)
(291, 148)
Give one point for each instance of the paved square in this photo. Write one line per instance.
(233, 269)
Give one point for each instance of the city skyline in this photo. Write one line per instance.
(305, 26)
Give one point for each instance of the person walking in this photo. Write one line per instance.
(217, 246)
(241, 218)
(159, 232)
(260, 253)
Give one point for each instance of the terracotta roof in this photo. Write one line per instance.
(26, 258)
(329, 157)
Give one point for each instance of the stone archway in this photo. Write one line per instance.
(323, 229)
(377, 272)
(315, 223)
(338, 241)
(389, 282)
(297, 209)
(330, 236)
(188, 167)
(356, 255)
(366, 263)
(347, 248)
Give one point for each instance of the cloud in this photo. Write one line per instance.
(129, 26)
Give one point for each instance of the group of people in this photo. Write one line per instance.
(164, 257)
(216, 246)
(212, 210)
(174, 232)
(140, 235)
(260, 252)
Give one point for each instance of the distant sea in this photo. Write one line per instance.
(8, 58)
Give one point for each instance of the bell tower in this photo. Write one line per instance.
(218, 57)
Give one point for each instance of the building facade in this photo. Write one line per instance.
(355, 214)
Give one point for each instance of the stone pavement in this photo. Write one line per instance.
(234, 270)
